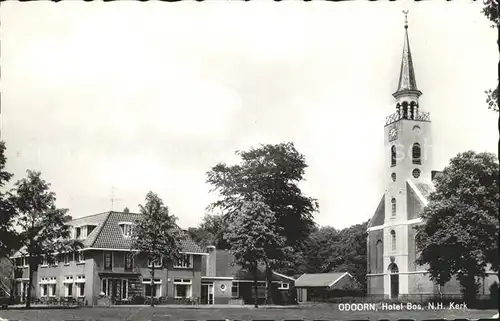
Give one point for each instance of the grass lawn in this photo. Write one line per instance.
(316, 312)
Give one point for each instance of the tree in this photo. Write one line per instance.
(8, 237)
(42, 226)
(253, 234)
(126, 210)
(210, 232)
(332, 250)
(157, 235)
(349, 253)
(273, 171)
(460, 233)
(490, 10)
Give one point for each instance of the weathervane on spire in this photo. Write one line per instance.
(405, 12)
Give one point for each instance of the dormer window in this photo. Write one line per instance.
(126, 228)
(83, 231)
(158, 263)
(185, 261)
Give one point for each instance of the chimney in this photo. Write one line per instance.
(211, 260)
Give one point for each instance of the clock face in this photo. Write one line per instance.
(393, 133)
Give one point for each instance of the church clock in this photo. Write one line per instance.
(393, 133)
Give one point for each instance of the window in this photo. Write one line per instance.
(80, 285)
(182, 288)
(379, 256)
(53, 260)
(78, 233)
(68, 286)
(284, 286)
(90, 228)
(66, 259)
(416, 173)
(79, 257)
(126, 228)
(52, 281)
(156, 287)
(393, 206)
(108, 260)
(393, 156)
(44, 261)
(104, 287)
(235, 290)
(416, 154)
(24, 261)
(185, 261)
(393, 240)
(124, 289)
(44, 287)
(157, 263)
(129, 261)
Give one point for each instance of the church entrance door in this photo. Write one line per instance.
(394, 273)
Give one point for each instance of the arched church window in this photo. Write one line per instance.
(393, 156)
(416, 153)
(393, 206)
(378, 257)
(413, 110)
(393, 240)
(405, 110)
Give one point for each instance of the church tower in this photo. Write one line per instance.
(408, 159)
(407, 145)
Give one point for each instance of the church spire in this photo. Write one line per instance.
(407, 83)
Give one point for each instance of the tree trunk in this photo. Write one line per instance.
(256, 294)
(152, 281)
(27, 294)
(269, 287)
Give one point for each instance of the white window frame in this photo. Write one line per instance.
(104, 259)
(126, 289)
(127, 233)
(159, 265)
(66, 259)
(45, 262)
(54, 260)
(131, 261)
(284, 286)
(52, 286)
(79, 258)
(184, 266)
(80, 279)
(44, 287)
(237, 285)
(104, 289)
(186, 282)
(69, 281)
(158, 285)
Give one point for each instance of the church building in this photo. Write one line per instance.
(391, 268)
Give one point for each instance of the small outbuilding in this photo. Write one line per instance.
(314, 285)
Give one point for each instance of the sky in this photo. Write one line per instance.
(149, 96)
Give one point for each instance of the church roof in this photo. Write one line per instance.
(379, 217)
(407, 82)
(425, 189)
